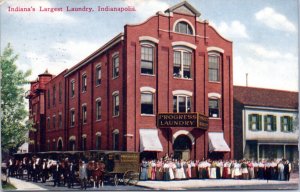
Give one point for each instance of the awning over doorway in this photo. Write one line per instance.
(149, 140)
(217, 142)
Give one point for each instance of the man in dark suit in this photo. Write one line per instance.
(71, 174)
(287, 170)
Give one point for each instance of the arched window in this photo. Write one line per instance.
(147, 58)
(98, 140)
(183, 27)
(115, 139)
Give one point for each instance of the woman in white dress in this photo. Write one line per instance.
(237, 170)
(213, 170)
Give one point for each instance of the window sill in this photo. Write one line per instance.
(255, 130)
(114, 116)
(98, 85)
(214, 118)
(116, 77)
(83, 92)
(217, 82)
(180, 78)
(270, 130)
(287, 131)
(97, 120)
(149, 75)
(147, 115)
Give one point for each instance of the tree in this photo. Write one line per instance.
(13, 116)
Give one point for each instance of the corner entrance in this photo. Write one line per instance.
(182, 147)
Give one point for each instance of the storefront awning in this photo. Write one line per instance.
(149, 140)
(217, 142)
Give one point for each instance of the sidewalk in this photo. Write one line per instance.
(198, 183)
(24, 186)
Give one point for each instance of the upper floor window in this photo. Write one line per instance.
(60, 92)
(84, 114)
(147, 58)
(84, 83)
(98, 75)
(48, 122)
(115, 66)
(72, 118)
(83, 144)
(116, 139)
(213, 108)
(286, 123)
(48, 95)
(270, 123)
(54, 122)
(254, 122)
(181, 103)
(98, 142)
(54, 95)
(72, 88)
(98, 109)
(183, 27)
(147, 103)
(60, 121)
(116, 104)
(182, 64)
(214, 67)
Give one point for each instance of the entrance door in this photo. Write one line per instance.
(182, 147)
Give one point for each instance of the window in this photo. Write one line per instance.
(48, 145)
(98, 75)
(84, 112)
(54, 95)
(214, 108)
(60, 121)
(214, 67)
(72, 119)
(147, 103)
(182, 64)
(116, 140)
(116, 110)
(60, 92)
(84, 83)
(98, 142)
(254, 122)
(183, 27)
(147, 60)
(48, 122)
(115, 66)
(181, 103)
(98, 109)
(270, 123)
(72, 86)
(53, 145)
(48, 99)
(54, 122)
(286, 123)
(83, 143)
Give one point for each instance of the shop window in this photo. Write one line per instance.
(214, 108)
(182, 64)
(147, 103)
(214, 67)
(254, 122)
(181, 104)
(147, 57)
(184, 28)
(286, 123)
(270, 123)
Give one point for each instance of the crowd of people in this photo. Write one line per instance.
(166, 169)
(62, 172)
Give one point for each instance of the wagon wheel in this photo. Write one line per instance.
(130, 177)
(116, 180)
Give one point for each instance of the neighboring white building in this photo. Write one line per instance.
(265, 124)
(23, 148)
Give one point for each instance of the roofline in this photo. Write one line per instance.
(64, 71)
(265, 88)
(195, 11)
(276, 108)
(98, 52)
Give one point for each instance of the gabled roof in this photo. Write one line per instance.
(253, 96)
(185, 8)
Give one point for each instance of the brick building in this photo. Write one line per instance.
(266, 124)
(171, 63)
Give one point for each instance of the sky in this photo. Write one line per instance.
(264, 34)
